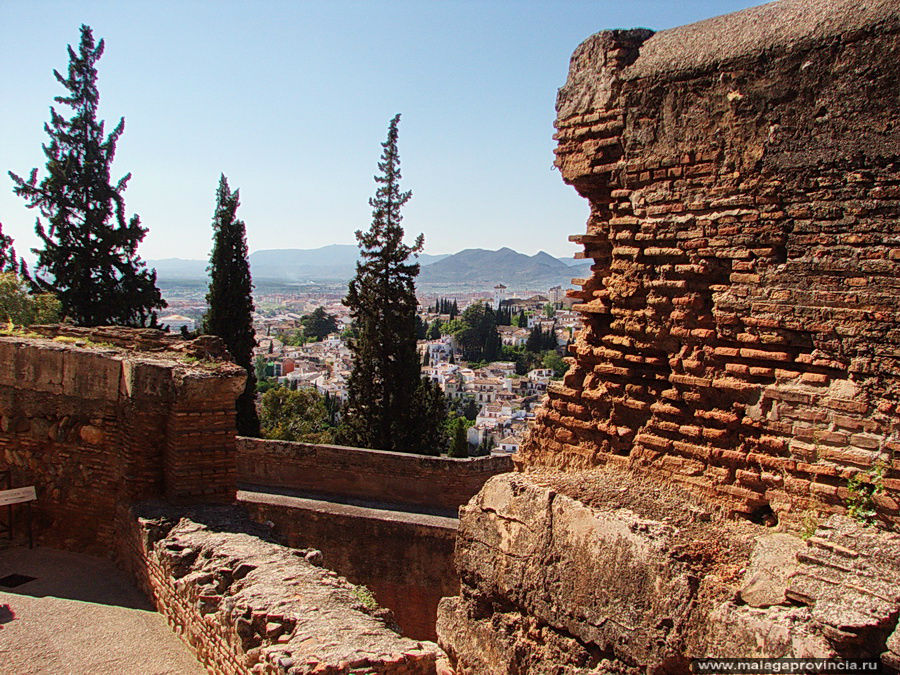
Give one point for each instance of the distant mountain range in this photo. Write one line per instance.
(337, 263)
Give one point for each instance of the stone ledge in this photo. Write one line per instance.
(245, 604)
(605, 571)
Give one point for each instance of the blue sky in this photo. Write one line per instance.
(291, 101)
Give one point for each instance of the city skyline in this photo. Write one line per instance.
(291, 103)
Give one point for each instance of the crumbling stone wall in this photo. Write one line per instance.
(742, 318)
(245, 604)
(95, 418)
(601, 572)
(740, 356)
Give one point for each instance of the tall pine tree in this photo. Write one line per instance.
(90, 258)
(383, 409)
(230, 299)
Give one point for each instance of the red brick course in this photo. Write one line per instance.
(742, 321)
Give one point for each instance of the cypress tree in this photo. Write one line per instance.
(382, 410)
(432, 432)
(89, 259)
(459, 445)
(230, 299)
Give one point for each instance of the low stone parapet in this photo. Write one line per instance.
(405, 559)
(420, 482)
(247, 605)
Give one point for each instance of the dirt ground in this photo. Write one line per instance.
(81, 615)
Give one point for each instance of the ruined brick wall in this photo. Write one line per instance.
(244, 604)
(103, 417)
(405, 559)
(742, 319)
(421, 482)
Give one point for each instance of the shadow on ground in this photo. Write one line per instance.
(73, 576)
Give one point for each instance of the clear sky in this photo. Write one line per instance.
(291, 101)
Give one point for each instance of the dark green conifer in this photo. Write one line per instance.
(433, 438)
(89, 260)
(459, 445)
(9, 261)
(230, 299)
(382, 409)
(479, 340)
(319, 324)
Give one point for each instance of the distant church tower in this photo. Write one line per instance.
(499, 295)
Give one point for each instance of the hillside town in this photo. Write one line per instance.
(499, 401)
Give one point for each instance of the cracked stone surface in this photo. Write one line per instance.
(246, 604)
(640, 579)
(544, 574)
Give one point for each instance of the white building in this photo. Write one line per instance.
(499, 295)
(507, 445)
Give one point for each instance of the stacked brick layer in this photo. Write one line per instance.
(742, 319)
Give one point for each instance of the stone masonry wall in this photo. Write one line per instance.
(245, 604)
(96, 418)
(417, 481)
(383, 519)
(742, 319)
(602, 572)
(405, 559)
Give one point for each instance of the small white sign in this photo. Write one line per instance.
(17, 495)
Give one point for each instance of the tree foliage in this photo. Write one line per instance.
(552, 360)
(20, 308)
(384, 410)
(540, 340)
(432, 432)
(459, 444)
(300, 415)
(479, 339)
(9, 261)
(230, 299)
(90, 258)
(445, 306)
(504, 315)
(318, 324)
